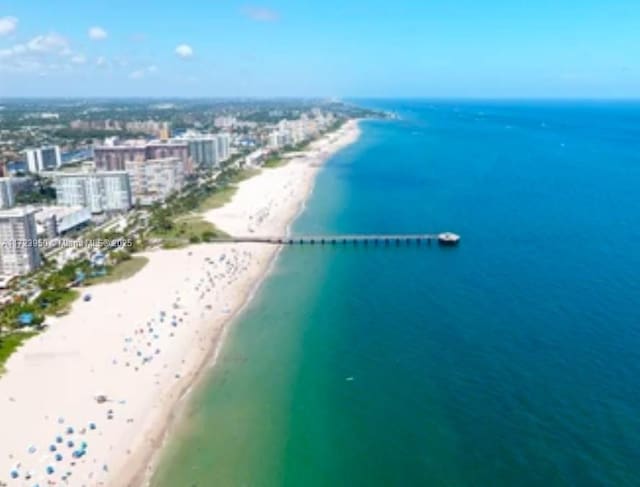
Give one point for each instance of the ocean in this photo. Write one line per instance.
(513, 359)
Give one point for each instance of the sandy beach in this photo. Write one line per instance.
(141, 343)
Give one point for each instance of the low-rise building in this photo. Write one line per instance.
(53, 221)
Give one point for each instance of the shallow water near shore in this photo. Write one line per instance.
(510, 360)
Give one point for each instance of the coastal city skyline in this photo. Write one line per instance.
(85, 186)
(341, 243)
(286, 48)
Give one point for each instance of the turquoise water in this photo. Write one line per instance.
(513, 359)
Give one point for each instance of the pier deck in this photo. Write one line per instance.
(365, 239)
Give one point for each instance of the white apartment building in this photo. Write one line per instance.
(100, 191)
(155, 179)
(224, 147)
(7, 199)
(19, 254)
(43, 159)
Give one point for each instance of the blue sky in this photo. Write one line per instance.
(369, 48)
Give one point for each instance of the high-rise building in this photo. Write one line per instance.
(18, 238)
(208, 150)
(162, 149)
(103, 191)
(224, 143)
(155, 179)
(6, 193)
(273, 140)
(113, 157)
(203, 151)
(43, 159)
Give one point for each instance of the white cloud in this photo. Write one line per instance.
(97, 33)
(40, 52)
(184, 51)
(137, 74)
(8, 25)
(261, 14)
(49, 43)
(141, 73)
(101, 61)
(39, 45)
(79, 59)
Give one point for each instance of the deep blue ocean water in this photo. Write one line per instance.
(513, 359)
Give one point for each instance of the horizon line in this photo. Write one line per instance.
(320, 97)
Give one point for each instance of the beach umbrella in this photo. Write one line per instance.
(70, 444)
(14, 473)
(32, 449)
(92, 426)
(58, 457)
(52, 448)
(50, 469)
(69, 430)
(58, 439)
(25, 319)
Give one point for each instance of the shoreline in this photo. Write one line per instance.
(147, 468)
(66, 368)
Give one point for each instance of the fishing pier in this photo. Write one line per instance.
(446, 239)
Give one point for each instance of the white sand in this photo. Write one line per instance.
(119, 343)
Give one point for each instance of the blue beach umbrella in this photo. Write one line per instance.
(25, 319)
